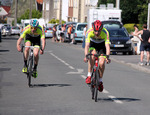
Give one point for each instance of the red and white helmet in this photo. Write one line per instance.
(97, 25)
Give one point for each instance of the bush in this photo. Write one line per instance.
(53, 21)
(130, 27)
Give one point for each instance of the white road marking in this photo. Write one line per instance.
(80, 71)
(105, 91)
(62, 61)
(83, 76)
(115, 99)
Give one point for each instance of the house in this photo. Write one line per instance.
(4, 10)
(70, 10)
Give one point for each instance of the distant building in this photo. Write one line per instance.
(39, 5)
(4, 12)
(72, 10)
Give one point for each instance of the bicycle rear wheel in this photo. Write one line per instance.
(29, 75)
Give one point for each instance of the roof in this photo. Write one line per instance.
(4, 10)
(40, 1)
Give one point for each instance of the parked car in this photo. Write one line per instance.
(72, 32)
(120, 40)
(0, 36)
(15, 30)
(48, 32)
(6, 30)
(78, 33)
(58, 31)
(112, 24)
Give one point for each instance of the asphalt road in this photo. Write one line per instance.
(60, 88)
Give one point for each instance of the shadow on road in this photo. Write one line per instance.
(4, 50)
(119, 99)
(5, 69)
(9, 38)
(49, 85)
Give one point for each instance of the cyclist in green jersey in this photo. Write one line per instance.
(97, 39)
(33, 34)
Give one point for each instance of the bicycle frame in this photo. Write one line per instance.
(95, 79)
(95, 76)
(30, 64)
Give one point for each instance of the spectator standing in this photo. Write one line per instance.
(54, 39)
(69, 31)
(145, 45)
(84, 34)
(62, 33)
(135, 40)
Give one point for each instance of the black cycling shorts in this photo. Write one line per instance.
(34, 40)
(99, 47)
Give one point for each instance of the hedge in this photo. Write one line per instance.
(130, 27)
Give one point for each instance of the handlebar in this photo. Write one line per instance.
(31, 47)
(97, 55)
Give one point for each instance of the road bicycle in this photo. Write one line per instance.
(30, 63)
(95, 75)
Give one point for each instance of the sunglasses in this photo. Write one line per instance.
(97, 31)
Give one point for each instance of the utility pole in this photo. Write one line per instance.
(30, 16)
(148, 17)
(16, 9)
(44, 11)
(60, 14)
(118, 4)
(79, 12)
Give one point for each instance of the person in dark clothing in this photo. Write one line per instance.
(145, 45)
(54, 39)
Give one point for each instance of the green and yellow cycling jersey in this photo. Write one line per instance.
(39, 31)
(103, 37)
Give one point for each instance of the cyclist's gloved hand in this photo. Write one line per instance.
(41, 51)
(107, 59)
(86, 59)
(19, 48)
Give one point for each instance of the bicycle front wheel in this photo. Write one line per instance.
(96, 84)
(30, 65)
(93, 84)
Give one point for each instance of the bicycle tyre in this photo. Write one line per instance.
(96, 84)
(93, 84)
(30, 65)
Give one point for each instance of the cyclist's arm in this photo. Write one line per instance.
(87, 45)
(18, 43)
(25, 31)
(107, 49)
(43, 39)
(107, 42)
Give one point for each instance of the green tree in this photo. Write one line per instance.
(143, 12)
(35, 14)
(133, 11)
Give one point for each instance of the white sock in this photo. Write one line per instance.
(100, 79)
(89, 74)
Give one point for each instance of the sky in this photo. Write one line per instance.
(6, 2)
(64, 9)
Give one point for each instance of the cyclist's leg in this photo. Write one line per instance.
(101, 66)
(36, 56)
(36, 43)
(90, 65)
(102, 59)
(26, 53)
